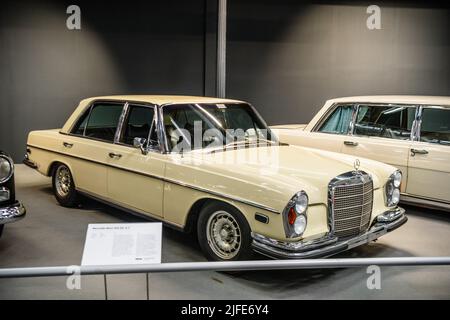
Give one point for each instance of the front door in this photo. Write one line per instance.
(330, 134)
(135, 179)
(382, 133)
(429, 158)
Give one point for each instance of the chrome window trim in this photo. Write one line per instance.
(120, 123)
(119, 130)
(125, 114)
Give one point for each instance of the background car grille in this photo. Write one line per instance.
(351, 200)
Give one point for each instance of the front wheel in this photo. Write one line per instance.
(223, 233)
(63, 186)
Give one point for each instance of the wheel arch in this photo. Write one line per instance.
(53, 165)
(198, 205)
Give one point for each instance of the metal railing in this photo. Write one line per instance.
(220, 266)
(225, 266)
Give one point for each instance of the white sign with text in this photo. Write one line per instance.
(122, 244)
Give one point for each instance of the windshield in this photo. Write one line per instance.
(195, 126)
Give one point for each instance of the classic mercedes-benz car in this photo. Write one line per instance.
(411, 133)
(212, 165)
(11, 210)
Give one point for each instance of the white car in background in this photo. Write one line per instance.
(411, 133)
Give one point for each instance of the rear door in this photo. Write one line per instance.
(89, 143)
(429, 158)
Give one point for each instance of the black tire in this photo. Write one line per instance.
(70, 197)
(213, 210)
(2, 226)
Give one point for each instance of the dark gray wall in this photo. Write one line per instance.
(284, 57)
(288, 58)
(130, 47)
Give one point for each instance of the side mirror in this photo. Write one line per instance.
(139, 143)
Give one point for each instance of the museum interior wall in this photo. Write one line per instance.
(290, 57)
(46, 69)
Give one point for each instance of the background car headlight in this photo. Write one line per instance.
(294, 215)
(397, 179)
(6, 169)
(393, 189)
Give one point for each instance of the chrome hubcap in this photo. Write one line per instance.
(63, 181)
(223, 234)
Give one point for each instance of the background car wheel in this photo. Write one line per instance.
(63, 186)
(223, 233)
(1, 229)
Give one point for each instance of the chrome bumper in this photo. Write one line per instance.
(12, 213)
(328, 245)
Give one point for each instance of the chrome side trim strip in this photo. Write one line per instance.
(424, 202)
(176, 182)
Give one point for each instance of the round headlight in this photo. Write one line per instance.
(397, 179)
(395, 197)
(6, 169)
(301, 203)
(300, 224)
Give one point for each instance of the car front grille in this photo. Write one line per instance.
(350, 203)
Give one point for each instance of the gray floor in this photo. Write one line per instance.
(51, 236)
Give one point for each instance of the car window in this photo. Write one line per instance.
(217, 124)
(435, 127)
(339, 121)
(394, 122)
(140, 121)
(103, 120)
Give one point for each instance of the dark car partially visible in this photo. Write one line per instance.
(11, 210)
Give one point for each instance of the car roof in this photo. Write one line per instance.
(425, 100)
(163, 99)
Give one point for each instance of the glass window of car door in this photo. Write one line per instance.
(435, 126)
(394, 122)
(100, 121)
(140, 123)
(339, 120)
(103, 121)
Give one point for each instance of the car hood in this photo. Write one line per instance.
(282, 170)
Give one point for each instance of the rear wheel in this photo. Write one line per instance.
(63, 186)
(223, 233)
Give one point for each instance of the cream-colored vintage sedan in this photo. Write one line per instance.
(212, 165)
(411, 133)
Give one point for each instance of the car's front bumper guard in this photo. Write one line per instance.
(327, 246)
(12, 212)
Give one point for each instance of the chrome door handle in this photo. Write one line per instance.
(351, 143)
(113, 155)
(418, 151)
(67, 145)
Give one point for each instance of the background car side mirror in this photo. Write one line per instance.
(140, 144)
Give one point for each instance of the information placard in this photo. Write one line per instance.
(122, 244)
